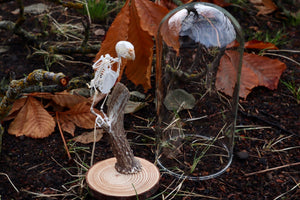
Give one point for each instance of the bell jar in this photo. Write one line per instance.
(199, 50)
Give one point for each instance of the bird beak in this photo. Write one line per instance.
(131, 54)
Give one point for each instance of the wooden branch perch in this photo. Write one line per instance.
(126, 163)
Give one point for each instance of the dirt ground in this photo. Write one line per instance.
(39, 168)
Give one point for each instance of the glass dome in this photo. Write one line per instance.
(199, 55)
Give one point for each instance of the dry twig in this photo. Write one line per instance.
(272, 169)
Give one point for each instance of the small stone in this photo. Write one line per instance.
(243, 155)
(99, 32)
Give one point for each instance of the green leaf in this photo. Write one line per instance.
(179, 99)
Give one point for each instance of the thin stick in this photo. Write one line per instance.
(62, 136)
(94, 146)
(283, 50)
(271, 169)
(298, 184)
(10, 181)
(282, 56)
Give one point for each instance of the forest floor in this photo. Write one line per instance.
(40, 169)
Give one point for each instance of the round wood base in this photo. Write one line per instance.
(106, 183)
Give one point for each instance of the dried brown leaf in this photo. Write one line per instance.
(267, 70)
(80, 115)
(88, 137)
(170, 33)
(44, 95)
(18, 104)
(150, 15)
(139, 70)
(255, 44)
(169, 4)
(264, 6)
(66, 124)
(227, 73)
(32, 121)
(256, 71)
(68, 100)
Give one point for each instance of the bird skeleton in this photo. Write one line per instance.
(105, 77)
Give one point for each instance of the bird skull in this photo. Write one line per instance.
(125, 49)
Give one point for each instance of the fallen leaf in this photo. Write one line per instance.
(255, 44)
(267, 70)
(170, 32)
(32, 121)
(179, 99)
(85, 92)
(137, 95)
(139, 70)
(150, 15)
(133, 106)
(80, 115)
(44, 95)
(88, 137)
(68, 100)
(169, 4)
(256, 71)
(66, 124)
(264, 6)
(18, 104)
(227, 72)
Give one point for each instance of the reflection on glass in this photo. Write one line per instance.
(197, 91)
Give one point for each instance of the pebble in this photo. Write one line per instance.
(243, 155)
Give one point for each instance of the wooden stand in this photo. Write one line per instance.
(106, 183)
(125, 176)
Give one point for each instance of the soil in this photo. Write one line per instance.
(40, 169)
